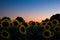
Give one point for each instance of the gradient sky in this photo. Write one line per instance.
(35, 10)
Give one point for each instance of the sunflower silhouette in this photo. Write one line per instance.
(56, 16)
(20, 19)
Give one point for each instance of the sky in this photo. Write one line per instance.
(36, 10)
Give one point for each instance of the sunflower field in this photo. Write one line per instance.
(18, 29)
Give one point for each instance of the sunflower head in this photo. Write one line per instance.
(57, 29)
(37, 23)
(43, 24)
(15, 23)
(22, 30)
(5, 23)
(49, 23)
(5, 34)
(55, 22)
(47, 34)
(47, 27)
(32, 23)
(26, 25)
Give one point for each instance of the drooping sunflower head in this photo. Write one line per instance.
(20, 19)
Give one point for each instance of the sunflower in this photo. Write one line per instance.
(56, 16)
(47, 27)
(6, 18)
(58, 24)
(57, 29)
(38, 24)
(5, 23)
(49, 23)
(55, 22)
(15, 23)
(47, 34)
(26, 24)
(22, 30)
(5, 34)
(43, 24)
(32, 23)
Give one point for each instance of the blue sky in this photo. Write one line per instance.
(35, 10)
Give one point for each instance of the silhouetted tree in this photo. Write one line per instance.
(56, 16)
(20, 19)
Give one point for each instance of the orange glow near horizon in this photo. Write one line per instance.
(28, 18)
(33, 18)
